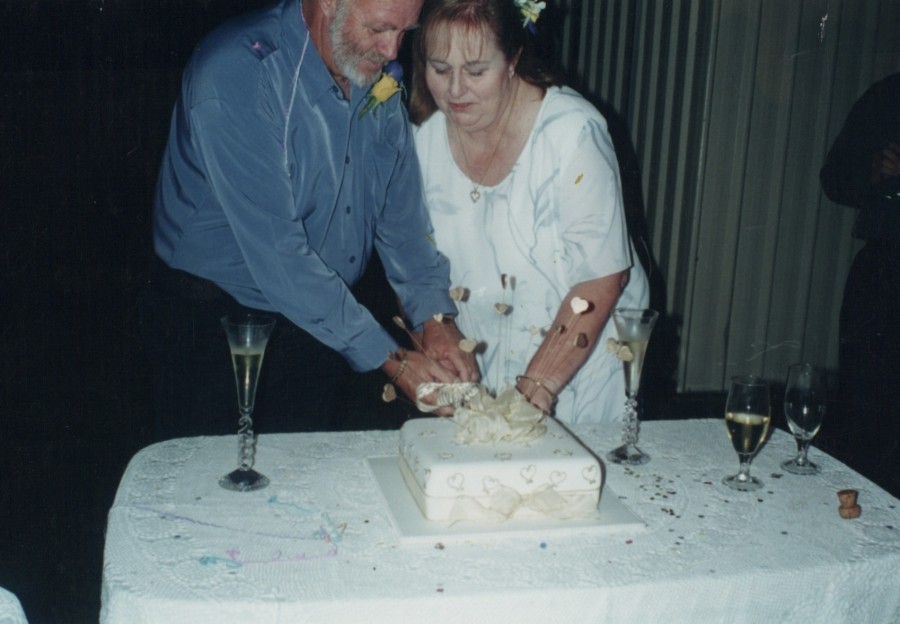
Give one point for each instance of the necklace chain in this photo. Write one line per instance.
(475, 193)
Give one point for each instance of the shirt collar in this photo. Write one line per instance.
(314, 73)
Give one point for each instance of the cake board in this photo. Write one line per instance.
(411, 526)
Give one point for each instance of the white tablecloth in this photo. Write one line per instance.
(10, 609)
(318, 544)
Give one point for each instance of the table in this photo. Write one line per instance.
(319, 546)
(10, 609)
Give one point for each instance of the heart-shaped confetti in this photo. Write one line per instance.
(579, 305)
(389, 393)
(458, 293)
(581, 340)
(438, 317)
(467, 345)
(501, 308)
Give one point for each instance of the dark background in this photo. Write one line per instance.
(85, 99)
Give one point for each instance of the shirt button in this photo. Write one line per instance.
(352, 259)
(348, 209)
(347, 160)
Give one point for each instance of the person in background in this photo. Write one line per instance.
(862, 170)
(523, 189)
(280, 179)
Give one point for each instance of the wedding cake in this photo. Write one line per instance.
(538, 471)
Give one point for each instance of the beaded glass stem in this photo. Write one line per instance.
(247, 339)
(634, 327)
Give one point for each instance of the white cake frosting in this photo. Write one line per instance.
(553, 475)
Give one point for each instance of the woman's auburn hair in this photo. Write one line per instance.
(497, 20)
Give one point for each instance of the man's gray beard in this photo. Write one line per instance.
(345, 59)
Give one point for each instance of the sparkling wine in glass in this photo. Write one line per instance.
(804, 408)
(747, 417)
(247, 335)
(634, 327)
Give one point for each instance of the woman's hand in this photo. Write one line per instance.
(885, 164)
(561, 354)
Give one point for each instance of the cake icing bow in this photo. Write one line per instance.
(483, 418)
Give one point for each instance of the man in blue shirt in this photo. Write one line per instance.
(273, 193)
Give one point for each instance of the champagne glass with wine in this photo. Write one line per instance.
(247, 335)
(804, 408)
(747, 416)
(634, 327)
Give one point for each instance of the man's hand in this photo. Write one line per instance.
(440, 340)
(408, 369)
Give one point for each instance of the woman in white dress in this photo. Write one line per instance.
(523, 189)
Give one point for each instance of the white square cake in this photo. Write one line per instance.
(554, 475)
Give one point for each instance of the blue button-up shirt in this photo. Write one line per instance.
(272, 187)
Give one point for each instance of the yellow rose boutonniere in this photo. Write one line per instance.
(531, 11)
(386, 87)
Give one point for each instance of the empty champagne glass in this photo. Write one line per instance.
(747, 416)
(804, 408)
(634, 327)
(248, 335)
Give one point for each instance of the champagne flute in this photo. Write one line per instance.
(634, 327)
(247, 335)
(804, 408)
(747, 416)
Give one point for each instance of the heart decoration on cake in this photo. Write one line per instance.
(528, 473)
(490, 483)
